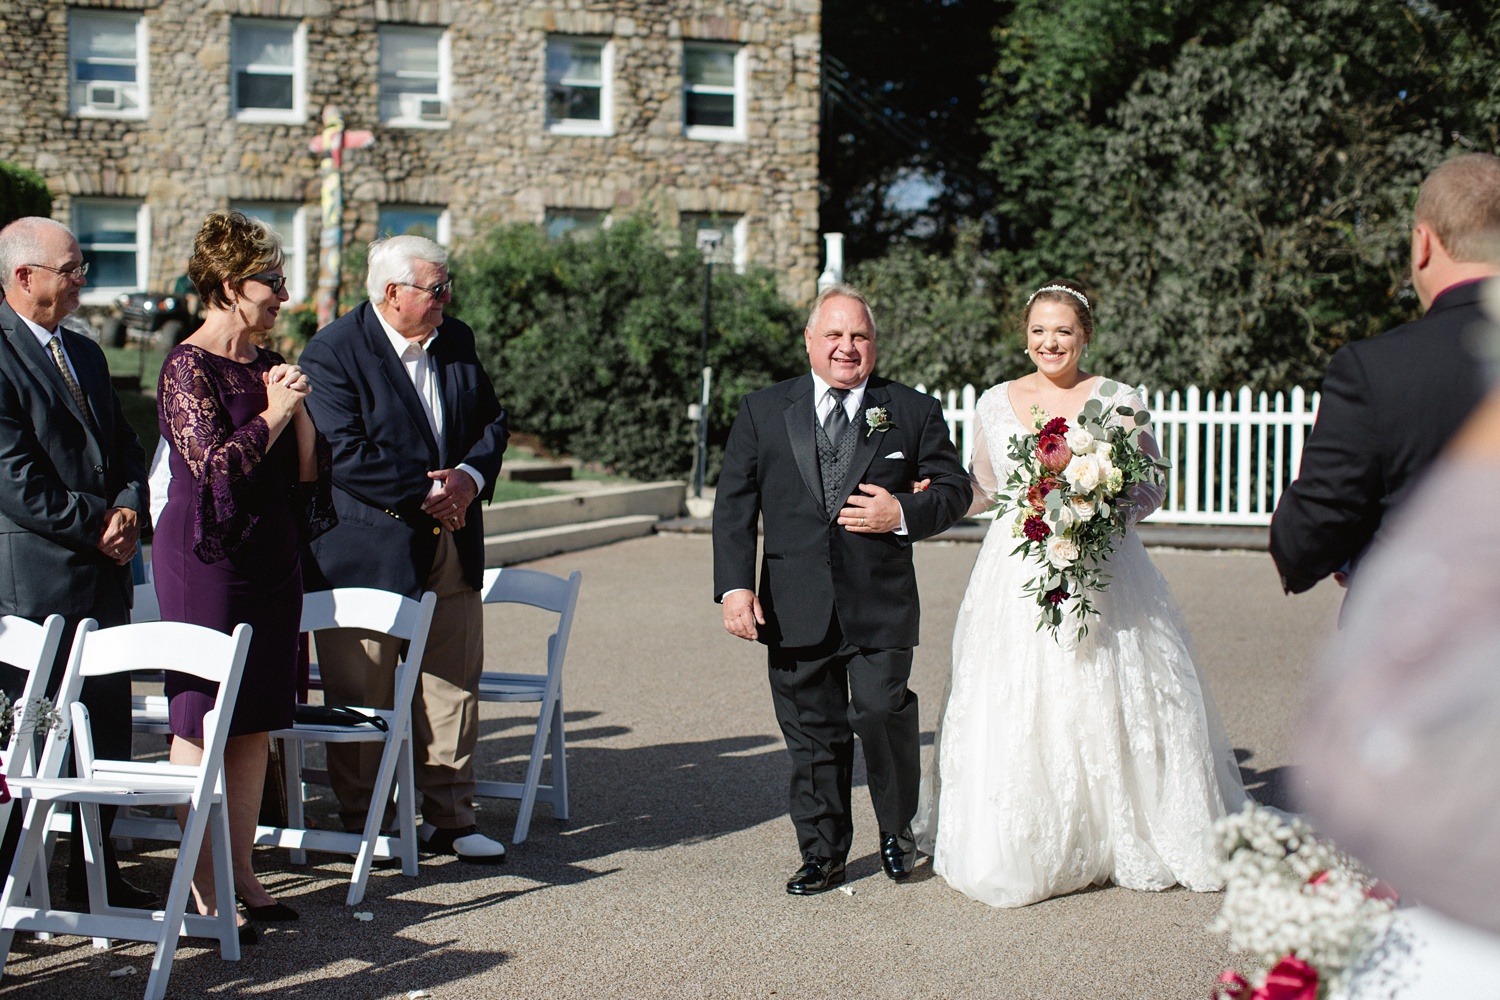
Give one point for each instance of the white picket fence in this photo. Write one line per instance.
(1232, 453)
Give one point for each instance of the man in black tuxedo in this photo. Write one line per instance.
(417, 436)
(75, 495)
(1391, 403)
(828, 462)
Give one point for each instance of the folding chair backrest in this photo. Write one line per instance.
(367, 608)
(27, 646)
(540, 590)
(190, 649)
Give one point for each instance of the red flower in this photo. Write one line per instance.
(1057, 425)
(1036, 529)
(1056, 596)
(1231, 986)
(1318, 878)
(1054, 452)
(1380, 890)
(1037, 494)
(1292, 979)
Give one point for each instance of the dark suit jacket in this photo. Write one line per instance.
(60, 477)
(812, 567)
(383, 448)
(1389, 406)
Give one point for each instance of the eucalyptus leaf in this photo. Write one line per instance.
(1092, 408)
(1108, 387)
(1124, 411)
(1054, 499)
(1142, 417)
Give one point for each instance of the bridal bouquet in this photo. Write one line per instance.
(1070, 496)
(1304, 909)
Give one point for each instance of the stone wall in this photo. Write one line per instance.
(493, 161)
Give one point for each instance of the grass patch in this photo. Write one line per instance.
(133, 360)
(140, 411)
(506, 489)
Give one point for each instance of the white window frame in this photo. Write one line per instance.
(96, 295)
(718, 133)
(582, 126)
(444, 221)
(738, 230)
(297, 114)
(444, 78)
(293, 244)
(77, 89)
(556, 212)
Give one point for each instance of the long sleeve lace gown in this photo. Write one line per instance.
(1064, 763)
(226, 549)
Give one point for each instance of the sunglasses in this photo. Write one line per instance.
(436, 291)
(275, 282)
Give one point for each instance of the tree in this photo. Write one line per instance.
(23, 192)
(593, 342)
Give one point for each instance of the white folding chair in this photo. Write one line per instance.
(26, 646)
(190, 649)
(558, 595)
(403, 618)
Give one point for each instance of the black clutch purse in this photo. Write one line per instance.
(336, 715)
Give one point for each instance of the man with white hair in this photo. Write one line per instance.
(417, 436)
(75, 473)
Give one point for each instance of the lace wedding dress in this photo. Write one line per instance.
(1064, 763)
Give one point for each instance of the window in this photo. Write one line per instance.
(107, 64)
(713, 91)
(289, 219)
(268, 64)
(580, 85)
(413, 76)
(731, 229)
(415, 220)
(572, 222)
(114, 237)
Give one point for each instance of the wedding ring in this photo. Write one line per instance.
(863, 522)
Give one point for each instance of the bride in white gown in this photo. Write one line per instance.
(1064, 763)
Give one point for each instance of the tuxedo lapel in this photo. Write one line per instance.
(396, 379)
(869, 441)
(799, 416)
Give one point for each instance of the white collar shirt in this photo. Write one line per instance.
(825, 400)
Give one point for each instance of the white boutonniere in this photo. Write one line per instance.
(876, 419)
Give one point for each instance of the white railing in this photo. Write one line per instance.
(1232, 453)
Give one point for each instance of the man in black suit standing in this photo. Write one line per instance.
(1391, 403)
(827, 461)
(75, 474)
(417, 436)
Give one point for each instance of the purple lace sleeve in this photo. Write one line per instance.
(315, 499)
(221, 458)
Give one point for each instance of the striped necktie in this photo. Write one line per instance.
(55, 347)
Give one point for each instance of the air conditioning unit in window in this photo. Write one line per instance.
(103, 96)
(432, 110)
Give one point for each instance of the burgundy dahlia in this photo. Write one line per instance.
(1056, 596)
(1057, 426)
(1036, 529)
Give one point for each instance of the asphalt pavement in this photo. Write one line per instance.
(667, 879)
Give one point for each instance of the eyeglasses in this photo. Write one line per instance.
(275, 282)
(79, 271)
(436, 291)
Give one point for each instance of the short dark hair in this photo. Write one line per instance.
(230, 247)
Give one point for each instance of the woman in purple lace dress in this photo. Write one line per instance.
(251, 481)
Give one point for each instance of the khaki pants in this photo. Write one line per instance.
(358, 668)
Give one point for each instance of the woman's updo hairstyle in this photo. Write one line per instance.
(1069, 293)
(230, 247)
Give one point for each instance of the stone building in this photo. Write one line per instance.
(143, 115)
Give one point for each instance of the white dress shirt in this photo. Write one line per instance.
(44, 337)
(413, 357)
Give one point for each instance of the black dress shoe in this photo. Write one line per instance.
(816, 875)
(271, 913)
(120, 893)
(898, 855)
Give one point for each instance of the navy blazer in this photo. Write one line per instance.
(812, 567)
(61, 474)
(383, 448)
(1390, 404)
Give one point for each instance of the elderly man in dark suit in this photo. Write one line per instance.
(417, 436)
(75, 473)
(827, 462)
(1391, 403)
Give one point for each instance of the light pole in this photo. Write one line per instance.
(709, 241)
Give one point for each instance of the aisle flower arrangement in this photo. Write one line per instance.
(38, 715)
(1069, 494)
(1304, 909)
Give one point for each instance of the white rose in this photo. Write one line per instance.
(1080, 441)
(1102, 447)
(1082, 508)
(1062, 519)
(1082, 473)
(1061, 551)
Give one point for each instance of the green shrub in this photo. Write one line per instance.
(23, 192)
(593, 342)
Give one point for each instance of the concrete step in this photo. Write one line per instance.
(656, 500)
(537, 543)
